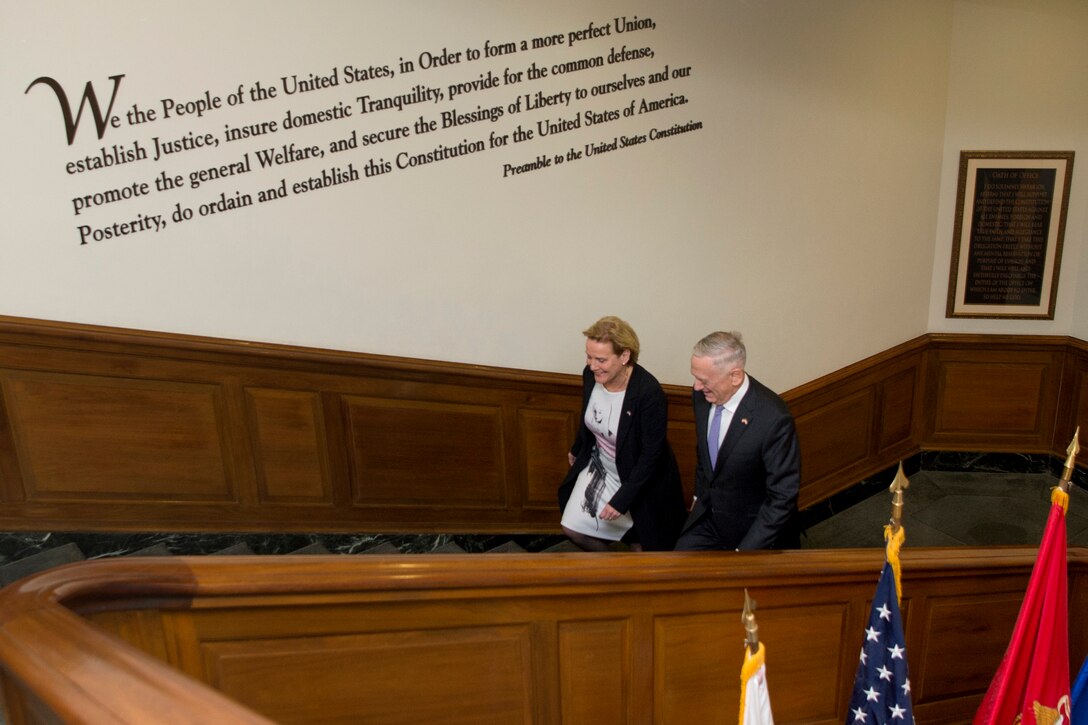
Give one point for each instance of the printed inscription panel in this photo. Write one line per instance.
(86, 437)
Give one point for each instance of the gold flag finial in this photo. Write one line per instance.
(1066, 481)
(748, 619)
(899, 484)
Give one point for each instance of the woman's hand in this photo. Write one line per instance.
(608, 513)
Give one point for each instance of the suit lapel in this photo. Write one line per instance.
(737, 427)
(702, 410)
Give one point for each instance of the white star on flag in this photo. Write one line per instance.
(881, 686)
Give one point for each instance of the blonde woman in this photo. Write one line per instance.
(623, 483)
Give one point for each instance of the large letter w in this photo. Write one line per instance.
(70, 124)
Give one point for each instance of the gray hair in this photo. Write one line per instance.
(724, 348)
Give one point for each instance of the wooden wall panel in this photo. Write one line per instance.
(594, 671)
(690, 669)
(105, 429)
(542, 434)
(898, 394)
(1073, 402)
(944, 672)
(837, 434)
(334, 679)
(857, 421)
(811, 653)
(980, 397)
(95, 439)
(289, 435)
(11, 479)
(414, 453)
(993, 395)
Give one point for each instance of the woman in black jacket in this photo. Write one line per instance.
(623, 482)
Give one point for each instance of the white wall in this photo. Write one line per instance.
(1018, 82)
(803, 213)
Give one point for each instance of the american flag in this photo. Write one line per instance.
(881, 685)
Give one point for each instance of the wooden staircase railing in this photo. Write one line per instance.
(541, 638)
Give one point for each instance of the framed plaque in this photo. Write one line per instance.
(1010, 224)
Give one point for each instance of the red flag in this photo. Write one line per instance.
(1032, 683)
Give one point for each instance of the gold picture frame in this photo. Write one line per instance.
(1011, 211)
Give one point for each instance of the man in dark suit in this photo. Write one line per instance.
(748, 464)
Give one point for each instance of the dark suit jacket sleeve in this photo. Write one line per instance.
(638, 459)
(782, 461)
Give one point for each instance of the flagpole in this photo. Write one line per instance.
(1031, 685)
(755, 702)
(899, 484)
(881, 692)
(894, 534)
(748, 619)
(1066, 481)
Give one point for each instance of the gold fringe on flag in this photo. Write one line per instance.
(1058, 496)
(752, 663)
(895, 536)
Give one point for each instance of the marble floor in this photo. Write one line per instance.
(956, 508)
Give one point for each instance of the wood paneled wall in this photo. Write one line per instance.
(992, 393)
(107, 429)
(541, 638)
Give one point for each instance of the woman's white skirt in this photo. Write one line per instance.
(579, 517)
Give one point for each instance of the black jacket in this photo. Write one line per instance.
(649, 477)
(752, 492)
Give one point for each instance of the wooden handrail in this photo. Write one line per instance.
(53, 657)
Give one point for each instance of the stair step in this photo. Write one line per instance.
(562, 546)
(65, 554)
(239, 549)
(383, 548)
(510, 547)
(153, 550)
(316, 548)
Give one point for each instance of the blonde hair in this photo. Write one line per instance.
(614, 330)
